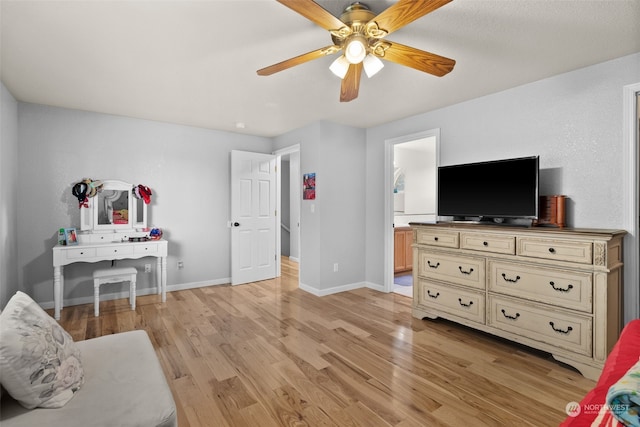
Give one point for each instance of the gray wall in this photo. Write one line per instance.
(187, 169)
(574, 121)
(334, 232)
(9, 283)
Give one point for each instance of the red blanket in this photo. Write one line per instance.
(623, 356)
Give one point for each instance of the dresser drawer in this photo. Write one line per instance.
(102, 237)
(115, 250)
(541, 323)
(580, 252)
(459, 269)
(79, 253)
(441, 238)
(146, 249)
(566, 289)
(449, 299)
(488, 243)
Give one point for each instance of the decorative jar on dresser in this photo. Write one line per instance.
(556, 290)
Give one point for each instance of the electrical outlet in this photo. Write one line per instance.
(180, 265)
(147, 268)
(335, 267)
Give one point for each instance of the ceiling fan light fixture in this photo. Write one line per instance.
(355, 49)
(360, 34)
(372, 64)
(340, 66)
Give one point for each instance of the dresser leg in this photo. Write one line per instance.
(587, 371)
(164, 279)
(159, 275)
(421, 314)
(57, 304)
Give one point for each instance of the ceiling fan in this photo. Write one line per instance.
(361, 35)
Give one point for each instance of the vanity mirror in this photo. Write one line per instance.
(113, 226)
(114, 208)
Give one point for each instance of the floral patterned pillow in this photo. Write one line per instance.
(39, 362)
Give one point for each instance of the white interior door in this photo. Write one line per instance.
(253, 217)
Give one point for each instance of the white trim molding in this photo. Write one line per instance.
(139, 292)
(630, 208)
(375, 286)
(388, 199)
(279, 153)
(333, 290)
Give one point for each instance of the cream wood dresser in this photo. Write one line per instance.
(557, 290)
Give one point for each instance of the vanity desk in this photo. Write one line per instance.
(106, 236)
(94, 252)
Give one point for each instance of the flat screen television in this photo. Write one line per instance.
(489, 190)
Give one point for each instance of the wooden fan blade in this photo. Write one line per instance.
(351, 83)
(300, 59)
(419, 59)
(405, 11)
(314, 13)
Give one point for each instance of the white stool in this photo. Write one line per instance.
(114, 275)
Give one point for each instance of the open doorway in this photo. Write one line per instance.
(631, 188)
(632, 201)
(288, 201)
(411, 172)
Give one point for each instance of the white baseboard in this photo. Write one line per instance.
(103, 297)
(294, 259)
(334, 290)
(139, 292)
(375, 287)
(192, 285)
(203, 284)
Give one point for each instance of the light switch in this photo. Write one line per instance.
(313, 207)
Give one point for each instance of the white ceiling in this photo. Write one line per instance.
(195, 62)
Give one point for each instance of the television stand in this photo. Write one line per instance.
(556, 290)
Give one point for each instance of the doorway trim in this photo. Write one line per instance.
(279, 154)
(630, 207)
(388, 199)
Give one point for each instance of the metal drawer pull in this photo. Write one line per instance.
(432, 295)
(567, 289)
(569, 329)
(553, 251)
(504, 313)
(463, 304)
(465, 272)
(504, 276)
(485, 243)
(436, 265)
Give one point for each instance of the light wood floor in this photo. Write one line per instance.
(268, 354)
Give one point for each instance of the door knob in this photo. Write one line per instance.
(236, 224)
